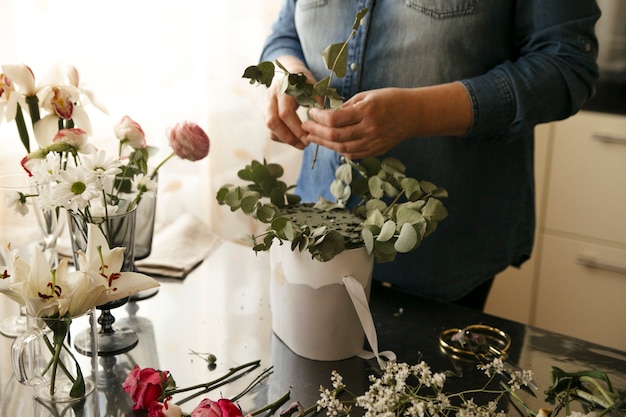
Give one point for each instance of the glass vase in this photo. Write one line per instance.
(20, 229)
(45, 357)
(119, 231)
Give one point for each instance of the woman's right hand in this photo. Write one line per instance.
(281, 117)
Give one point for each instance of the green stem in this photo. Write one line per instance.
(213, 384)
(55, 363)
(154, 172)
(598, 387)
(61, 364)
(266, 373)
(33, 108)
(273, 407)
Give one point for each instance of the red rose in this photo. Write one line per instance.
(189, 141)
(219, 408)
(164, 409)
(145, 386)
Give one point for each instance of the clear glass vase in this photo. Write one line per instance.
(46, 358)
(119, 231)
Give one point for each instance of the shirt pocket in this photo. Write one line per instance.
(444, 9)
(310, 4)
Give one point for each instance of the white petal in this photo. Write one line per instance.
(45, 129)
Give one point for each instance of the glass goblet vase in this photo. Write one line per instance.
(19, 229)
(119, 230)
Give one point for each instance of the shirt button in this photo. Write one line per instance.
(353, 66)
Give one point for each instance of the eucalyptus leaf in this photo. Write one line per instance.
(435, 210)
(393, 166)
(368, 239)
(263, 73)
(378, 205)
(375, 218)
(407, 215)
(411, 188)
(336, 58)
(407, 239)
(390, 190)
(375, 185)
(387, 232)
(249, 203)
(266, 213)
(344, 173)
(428, 186)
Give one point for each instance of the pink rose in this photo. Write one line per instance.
(164, 409)
(145, 386)
(189, 141)
(129, 132)
(220, 408)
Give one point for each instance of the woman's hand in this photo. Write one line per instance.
(281, 118)
(372, 122)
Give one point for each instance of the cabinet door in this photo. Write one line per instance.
(587, 188)
(581, 290)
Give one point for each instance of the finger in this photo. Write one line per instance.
(280, 131)
(336, 117)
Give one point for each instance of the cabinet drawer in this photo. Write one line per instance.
(587, 187)
(581, 290)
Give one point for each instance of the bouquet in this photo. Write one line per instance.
(69, 171)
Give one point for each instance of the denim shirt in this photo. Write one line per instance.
(522, 62)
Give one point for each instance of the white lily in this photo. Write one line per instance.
(8, 265)
(45, 292)
(106, 264)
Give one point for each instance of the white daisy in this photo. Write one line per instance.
(144, 184)
(102, 166)
(76, 188)
(17, 201)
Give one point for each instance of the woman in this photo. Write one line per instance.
(454, 89)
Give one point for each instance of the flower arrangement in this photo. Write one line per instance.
(57, 296)
(391, 213)
(68, 170)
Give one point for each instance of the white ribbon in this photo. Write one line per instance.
(359, 300)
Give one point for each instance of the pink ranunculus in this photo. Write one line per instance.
(189, 141)
(164, 409)
(129, 132)
(145, 386)
(220, 408)
(76, 138)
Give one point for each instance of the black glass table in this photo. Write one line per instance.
(222, 308)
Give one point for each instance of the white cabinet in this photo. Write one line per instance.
(575, 282)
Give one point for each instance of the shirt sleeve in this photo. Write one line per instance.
(551, 78)
(283, 39)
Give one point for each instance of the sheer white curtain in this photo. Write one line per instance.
(159, 62)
